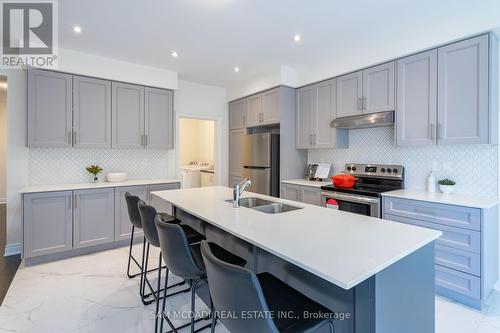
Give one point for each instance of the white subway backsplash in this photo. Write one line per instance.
(67, 165)
(473, 167)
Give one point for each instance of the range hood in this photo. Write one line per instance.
(379, 119)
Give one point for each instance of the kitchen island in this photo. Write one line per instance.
(377, 275)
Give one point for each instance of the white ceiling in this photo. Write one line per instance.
(213, 36)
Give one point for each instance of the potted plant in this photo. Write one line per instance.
(446, 185)
(94, 170)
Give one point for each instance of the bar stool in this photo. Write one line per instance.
(147, 214)
(185, 260)
(238, 290)
(135, 219)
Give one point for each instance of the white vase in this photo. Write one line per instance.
(447, 189)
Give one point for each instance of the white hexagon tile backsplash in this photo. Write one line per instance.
(473, 167)
(67, 165)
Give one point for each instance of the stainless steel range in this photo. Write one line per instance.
(365, 197)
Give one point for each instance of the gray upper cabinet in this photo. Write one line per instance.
(47, 225)
(316, 108)
(463, 90)
(254, 110)
(378, 88)
(417, 99)
(159, 118)
(237, 114)
(49, 109)
(91, 113)
(270, 107)
(304, 117)
(350, 95)
(93, 217)
(123, 226)
(127, 115)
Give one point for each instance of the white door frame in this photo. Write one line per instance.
(218, 145)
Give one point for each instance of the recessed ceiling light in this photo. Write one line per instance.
(297, 38)
(77, 29)
(174, 54)
(236, 69)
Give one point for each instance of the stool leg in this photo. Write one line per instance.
(158, 290)
(214, 322)
(164, 299)
(193, 299)
(142, 267)
(145, 271)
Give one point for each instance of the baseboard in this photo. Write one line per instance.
(12, 249)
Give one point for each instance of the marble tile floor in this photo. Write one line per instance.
(92, 294)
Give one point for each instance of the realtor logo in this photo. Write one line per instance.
(29, 34)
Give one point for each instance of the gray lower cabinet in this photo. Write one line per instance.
(466, 255)
(463, 81)
(237, 114)
(123, 226)
(48, 223)
(306, 194)
(49, 109)
(127, 115)
(93, 217)
(91, 113)
(159, 118)
(417, 99)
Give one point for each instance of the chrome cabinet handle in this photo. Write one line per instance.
(439, 131)
(311, 139)
(69, 137)
(315, 141)
(432, 130)
(363, 104)
(359, 104)
(75, 201)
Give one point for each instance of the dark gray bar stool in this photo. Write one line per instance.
(147, 214)
(185, 260)
(235, 289)
(135, 219)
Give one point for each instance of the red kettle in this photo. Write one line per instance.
(344, 180)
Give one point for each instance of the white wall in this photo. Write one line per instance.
(86, 64)
(3, 140)
(194, 100)
(17, 154)
(196, 140)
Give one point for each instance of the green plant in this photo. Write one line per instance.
(94, 169)
(447, 182)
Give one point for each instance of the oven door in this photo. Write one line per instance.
(352, 203)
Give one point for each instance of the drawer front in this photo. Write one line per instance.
(459, 260)
(462, 283)
(455, 216)
(458, 238)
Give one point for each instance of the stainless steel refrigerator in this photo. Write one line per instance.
(261, 162)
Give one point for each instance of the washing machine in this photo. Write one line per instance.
(191, 173)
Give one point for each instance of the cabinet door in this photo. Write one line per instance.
(304, 117)
(94, 212)
(349, 95)
(123, 226)
(417, 97)
(127, 115)
(237, 114)
(235, 154)
(91, 113)
(254, 110)
(47, 223)
(378, 88)
(290, 192)
(311, 195)
(49, 109)
(159, 118)
(324, 113)
(270, 107)
(463, 85)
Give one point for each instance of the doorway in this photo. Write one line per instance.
(197, 152)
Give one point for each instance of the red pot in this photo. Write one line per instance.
(344, 180)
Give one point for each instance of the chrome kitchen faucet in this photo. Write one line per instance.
(238, 189)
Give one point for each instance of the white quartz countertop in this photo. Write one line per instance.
(340, 247)
(84, 186)
(481, 202)
(304, 182)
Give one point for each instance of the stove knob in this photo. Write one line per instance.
(389, 170)
(382, 170)
(348, 168)
(353, 168)
(395, 170)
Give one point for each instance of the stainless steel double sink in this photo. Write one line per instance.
(265, 206)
